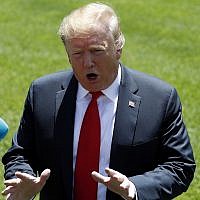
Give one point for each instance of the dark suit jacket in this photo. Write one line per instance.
(150, 144)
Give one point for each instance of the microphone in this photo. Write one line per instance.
(3, 128)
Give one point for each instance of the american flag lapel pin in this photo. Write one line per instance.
(131, 104)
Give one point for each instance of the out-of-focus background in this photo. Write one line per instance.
(162, 39)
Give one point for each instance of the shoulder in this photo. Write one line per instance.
(146, 81)
(51, 83)
(54, 78)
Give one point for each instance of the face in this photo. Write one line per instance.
(94, 59)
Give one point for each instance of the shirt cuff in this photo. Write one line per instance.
(134, 191)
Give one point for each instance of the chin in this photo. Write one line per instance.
(92, 87)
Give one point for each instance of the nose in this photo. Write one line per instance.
(88, 61)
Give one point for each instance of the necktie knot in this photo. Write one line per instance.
(96, 95)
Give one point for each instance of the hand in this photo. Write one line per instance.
(116, 182)
(25, 186)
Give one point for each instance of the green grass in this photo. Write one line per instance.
(162, 38)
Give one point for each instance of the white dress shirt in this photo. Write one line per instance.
(107, 105)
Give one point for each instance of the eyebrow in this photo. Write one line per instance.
(100, 46)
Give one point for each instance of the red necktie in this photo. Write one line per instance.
(87, 160)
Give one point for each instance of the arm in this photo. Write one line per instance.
(20, 162)
(176, 166)
(20, 156)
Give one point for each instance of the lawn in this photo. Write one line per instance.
(162, 39)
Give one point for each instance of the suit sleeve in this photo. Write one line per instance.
(176, 167)
(20, 156)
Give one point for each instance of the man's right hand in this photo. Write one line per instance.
(25, 186)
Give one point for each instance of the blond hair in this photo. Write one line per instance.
(89, 19)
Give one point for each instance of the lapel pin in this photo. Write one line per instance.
(131, 104)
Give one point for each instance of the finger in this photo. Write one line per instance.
(24, 176)
(111, 172)
(119, 178)
(45, 175)
(100, 178)
(9, 197)
(7, 190)
(12, 182)
(115, 175)
(125, 185)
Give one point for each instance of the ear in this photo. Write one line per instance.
(118, 53)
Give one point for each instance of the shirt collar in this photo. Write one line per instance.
(111, 92)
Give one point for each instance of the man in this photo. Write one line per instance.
(143, 139)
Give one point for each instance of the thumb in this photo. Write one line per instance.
(44, 176)
(100, 178)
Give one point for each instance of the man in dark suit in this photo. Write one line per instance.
(143, 138)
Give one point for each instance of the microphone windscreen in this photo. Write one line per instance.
(3, 128)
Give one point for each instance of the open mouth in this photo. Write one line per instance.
(91, 76)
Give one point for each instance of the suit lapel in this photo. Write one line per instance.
(61, 93)
(126, 114)
(64, 129)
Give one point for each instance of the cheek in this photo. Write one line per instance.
(76, 70)
(73, 61)
(76, 66)
(78, 74)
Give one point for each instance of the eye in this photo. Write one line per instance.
(77, 53)
(98, 51)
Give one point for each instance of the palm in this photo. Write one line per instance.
(117, 183)
(25, 186)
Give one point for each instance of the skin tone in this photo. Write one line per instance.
(25, 186)
(95, 60)
(116, 182)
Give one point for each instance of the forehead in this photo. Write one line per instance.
(97, 39)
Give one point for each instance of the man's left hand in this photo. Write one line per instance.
(116, 182)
